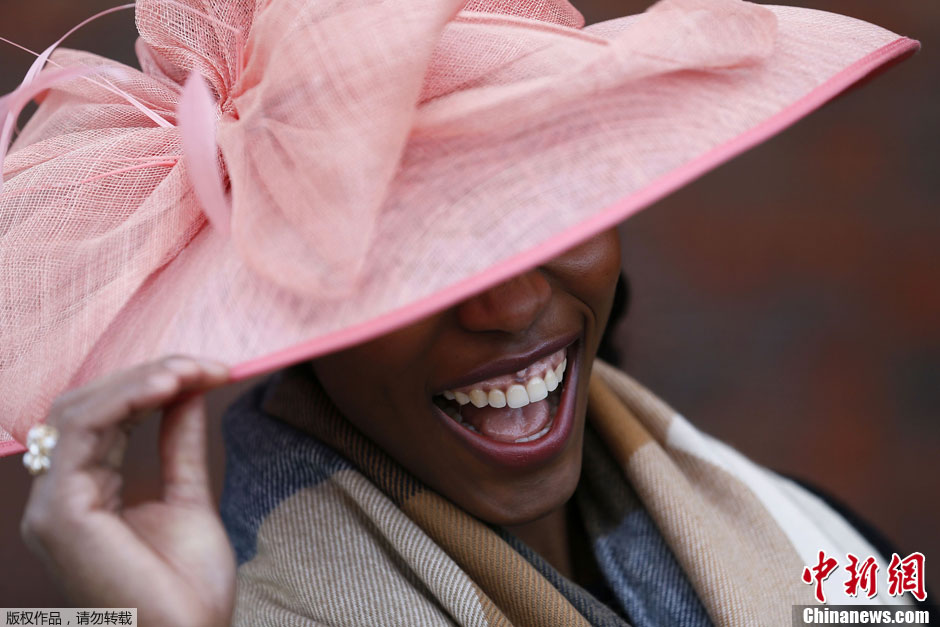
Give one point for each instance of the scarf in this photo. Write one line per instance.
(328, 529)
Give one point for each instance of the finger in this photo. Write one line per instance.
(74, 403)
(178, 363)
(90, 428)
(188, 373)
(184, 453)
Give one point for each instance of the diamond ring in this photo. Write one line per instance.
(40, 441)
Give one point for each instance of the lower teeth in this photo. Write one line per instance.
(536, 436)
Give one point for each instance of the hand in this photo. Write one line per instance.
(169, 558)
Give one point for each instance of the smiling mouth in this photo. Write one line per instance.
(513, 408)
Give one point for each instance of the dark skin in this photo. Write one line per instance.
(388, 396)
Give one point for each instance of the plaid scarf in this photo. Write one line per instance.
(328, 529)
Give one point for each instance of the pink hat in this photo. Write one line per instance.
(286, 178)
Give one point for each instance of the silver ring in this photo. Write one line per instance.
(40, 441)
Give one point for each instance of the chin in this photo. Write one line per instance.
(527, 499)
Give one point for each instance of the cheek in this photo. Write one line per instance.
(366, 398)
(348, 381)
(356, 381)
(590, 271)
(603, 255)
(391, 362)
(378, 385)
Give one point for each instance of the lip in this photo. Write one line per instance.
(513, 455)
(510, 364)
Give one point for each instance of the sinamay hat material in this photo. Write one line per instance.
(343, 169)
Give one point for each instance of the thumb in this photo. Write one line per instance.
(184, 453)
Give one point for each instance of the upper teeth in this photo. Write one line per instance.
(514, 396)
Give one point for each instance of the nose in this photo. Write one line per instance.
(512, 306)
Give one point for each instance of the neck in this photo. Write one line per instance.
(560, 539)
(548, 536)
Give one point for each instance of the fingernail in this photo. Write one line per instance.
(161, 382)
(182, 366)
(214, 368)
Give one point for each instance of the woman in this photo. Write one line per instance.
(529, 319)
(437, 400)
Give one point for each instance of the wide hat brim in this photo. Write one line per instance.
(436, 155)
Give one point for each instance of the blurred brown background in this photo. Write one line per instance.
(788, 303)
